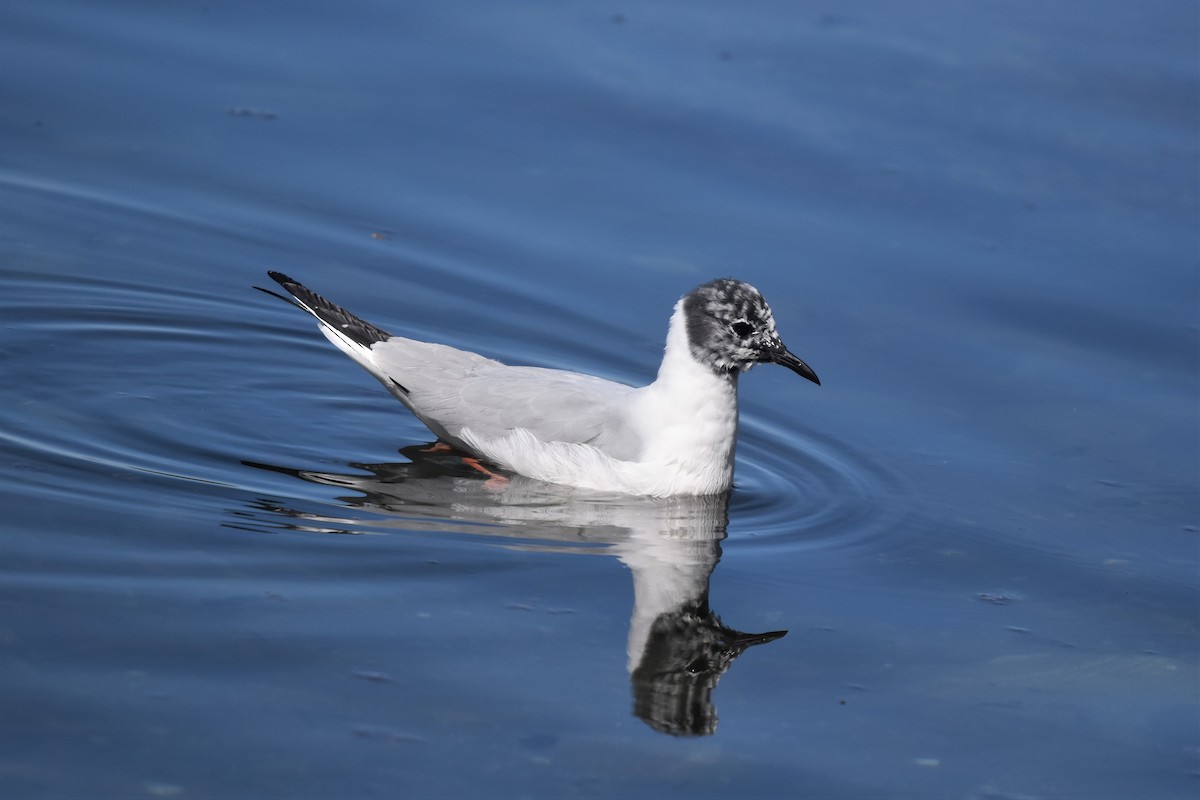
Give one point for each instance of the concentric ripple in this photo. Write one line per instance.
(795, 488)
(181, 389)
(110, 381)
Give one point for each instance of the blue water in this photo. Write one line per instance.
(229, 566)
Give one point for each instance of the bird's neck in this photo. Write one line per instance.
(681, 370)
(691, 413)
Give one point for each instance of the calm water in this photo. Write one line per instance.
(230, 566)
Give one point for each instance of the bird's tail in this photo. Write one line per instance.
(333, 318)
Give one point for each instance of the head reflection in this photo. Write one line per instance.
(678, 649)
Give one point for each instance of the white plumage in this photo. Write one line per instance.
(675, 436)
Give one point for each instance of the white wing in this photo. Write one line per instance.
(451, 390)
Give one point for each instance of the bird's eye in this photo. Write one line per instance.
(742, 328)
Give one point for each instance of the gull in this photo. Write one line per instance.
(675, 436)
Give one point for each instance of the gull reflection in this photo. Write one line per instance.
(678, 649)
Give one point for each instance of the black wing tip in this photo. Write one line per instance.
(330, 314)
(289, 300)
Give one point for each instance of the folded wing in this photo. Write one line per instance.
(452, 389)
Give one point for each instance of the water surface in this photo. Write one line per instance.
(232, 566)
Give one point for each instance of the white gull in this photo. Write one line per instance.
(675, 436)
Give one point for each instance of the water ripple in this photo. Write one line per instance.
(796, 488)
(165, 387)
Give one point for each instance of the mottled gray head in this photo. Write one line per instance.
(730, 329)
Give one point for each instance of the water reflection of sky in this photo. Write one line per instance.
(979, 227)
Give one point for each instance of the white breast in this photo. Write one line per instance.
(687, 422)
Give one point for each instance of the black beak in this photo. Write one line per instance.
(784, 358)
